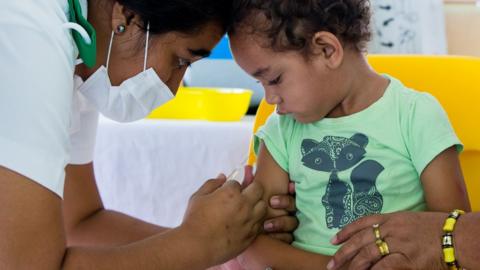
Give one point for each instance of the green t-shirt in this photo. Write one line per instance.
(366, 163)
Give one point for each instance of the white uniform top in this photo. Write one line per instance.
(44, 124)
(83, 127)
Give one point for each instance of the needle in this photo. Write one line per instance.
(238, 173)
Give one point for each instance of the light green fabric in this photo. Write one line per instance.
(369, 162)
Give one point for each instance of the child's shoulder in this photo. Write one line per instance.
(280, 125)
(415, 106)
(408, 97)
(283, 121)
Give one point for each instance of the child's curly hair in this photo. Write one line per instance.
(291, 24)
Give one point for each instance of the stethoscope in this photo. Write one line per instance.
(84, 34)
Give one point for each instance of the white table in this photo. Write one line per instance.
(149, 168)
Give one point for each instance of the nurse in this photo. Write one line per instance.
(58, 71)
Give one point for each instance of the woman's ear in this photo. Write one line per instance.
(327, 46)
(123, 18)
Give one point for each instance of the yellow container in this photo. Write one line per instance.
(213, 104)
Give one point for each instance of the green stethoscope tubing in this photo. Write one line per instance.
(87, 48)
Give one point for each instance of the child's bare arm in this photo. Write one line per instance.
(272, 177)
(443, 183)
(269, 252)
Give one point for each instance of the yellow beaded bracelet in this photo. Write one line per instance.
(447, 240)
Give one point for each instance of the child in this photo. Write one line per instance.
(354, 142)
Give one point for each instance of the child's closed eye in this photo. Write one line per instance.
(275, 81)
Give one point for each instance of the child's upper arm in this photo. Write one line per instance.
(265, 250)
(433, 147)
(443, 183)
(272, 177)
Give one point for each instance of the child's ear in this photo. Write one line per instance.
(327, 46)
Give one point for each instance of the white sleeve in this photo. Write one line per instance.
(36, 82)
(83, 130)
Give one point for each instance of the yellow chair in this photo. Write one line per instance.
(263, 112)
(454, 81)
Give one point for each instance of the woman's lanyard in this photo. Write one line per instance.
(84, 35)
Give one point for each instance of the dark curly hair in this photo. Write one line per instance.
(291, 24)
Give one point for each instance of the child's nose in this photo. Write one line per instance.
(272, 98)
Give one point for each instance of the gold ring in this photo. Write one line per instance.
(376, 231)
(382, 247)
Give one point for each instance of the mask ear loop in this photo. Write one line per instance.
(110, 49)
(146, 47)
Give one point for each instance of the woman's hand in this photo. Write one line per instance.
(280, 227)
(413, 239)
(224, 218)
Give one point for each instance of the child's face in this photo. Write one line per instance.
(308, 90)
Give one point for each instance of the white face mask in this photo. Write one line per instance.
(134, 99)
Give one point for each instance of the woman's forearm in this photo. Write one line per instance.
(467, 240)
(88, 223)
(107, 228)
(174, 249)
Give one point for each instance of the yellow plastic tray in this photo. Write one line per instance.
(213, 104)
